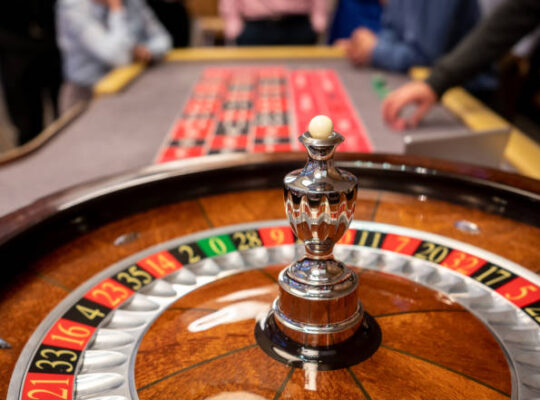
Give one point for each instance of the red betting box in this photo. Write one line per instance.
(47, 386)
(348, 237)
(400, 244)
(276, 236)
(109, 293)
(160, 264)
(69, 334)
(520, 291)
(192, 129)
(229, 142)
(464, 263)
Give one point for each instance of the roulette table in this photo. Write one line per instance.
(213, 101)
(153, 284)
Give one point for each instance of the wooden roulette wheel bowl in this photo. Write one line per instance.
(169, 270)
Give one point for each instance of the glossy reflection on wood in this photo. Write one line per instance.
(310, 385)
(26, 301)
(401, 373)
(204, 345)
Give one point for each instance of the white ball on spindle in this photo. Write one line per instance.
(321, 127)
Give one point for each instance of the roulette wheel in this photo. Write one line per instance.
(185, 281)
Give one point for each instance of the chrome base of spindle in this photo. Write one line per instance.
(338, 327)
(318, 302)
(359, 347)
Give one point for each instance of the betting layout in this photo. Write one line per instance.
(59, 347)
(260, 110)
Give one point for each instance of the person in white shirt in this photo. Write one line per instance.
(95, 36)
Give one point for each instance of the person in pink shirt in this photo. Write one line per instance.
(274, 22)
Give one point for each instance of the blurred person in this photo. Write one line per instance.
(504, 27)
(274, 22)
(30, 66)
(414, 32)
(98, 35)
(353, 14)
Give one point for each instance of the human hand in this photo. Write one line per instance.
(361, 45)
(416, 92)
(142, 54)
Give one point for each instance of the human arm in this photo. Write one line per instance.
(391, 54)
(416, 92)
(487, 43)
(112, 45)
(360, 47)
(234, 23)
(158, 41)
(386, 49)
(404, 42)
(505, 27)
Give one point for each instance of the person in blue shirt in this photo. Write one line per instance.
(95, 36)
(353, 14)
(414, 32)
